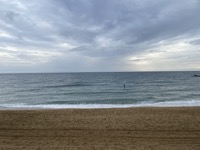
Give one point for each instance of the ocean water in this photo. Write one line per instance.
(99, 90)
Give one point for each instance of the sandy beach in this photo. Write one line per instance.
(130, 128)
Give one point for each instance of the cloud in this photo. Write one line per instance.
(195, 42)
(121, 35)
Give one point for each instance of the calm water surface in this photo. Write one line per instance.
(99, 90)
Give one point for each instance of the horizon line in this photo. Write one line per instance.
(97, 72)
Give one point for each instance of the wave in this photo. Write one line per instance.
(119, 101)
(28, 90)
(189, 103)
(66, 85)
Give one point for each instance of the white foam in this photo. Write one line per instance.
(188, 103)
(97, 106)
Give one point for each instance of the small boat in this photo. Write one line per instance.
(196, 75)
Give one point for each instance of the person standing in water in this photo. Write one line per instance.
(124, 86)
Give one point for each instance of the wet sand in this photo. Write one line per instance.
(123, 129)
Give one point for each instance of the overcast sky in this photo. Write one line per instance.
(99, 35)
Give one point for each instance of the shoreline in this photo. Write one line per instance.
(191, 103)
(106, 108)
(114, 128)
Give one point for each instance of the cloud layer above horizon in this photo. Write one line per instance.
(99, 35)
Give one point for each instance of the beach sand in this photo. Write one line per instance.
(118, 129)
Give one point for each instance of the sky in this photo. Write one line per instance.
(99, 35)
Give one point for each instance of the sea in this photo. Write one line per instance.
(99, 90)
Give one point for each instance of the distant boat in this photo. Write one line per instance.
(196, 75)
